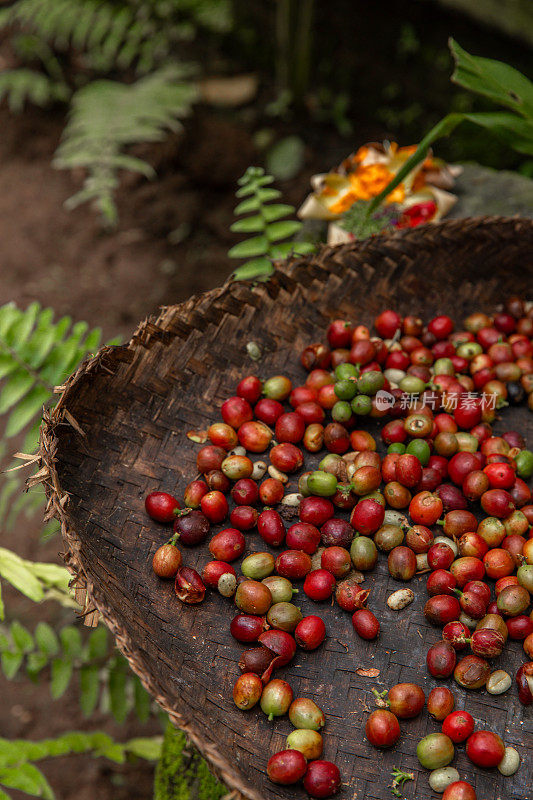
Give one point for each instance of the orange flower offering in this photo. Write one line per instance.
(423, 196)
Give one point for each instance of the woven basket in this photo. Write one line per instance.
(118, 432)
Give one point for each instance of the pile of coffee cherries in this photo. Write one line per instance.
(438, 392)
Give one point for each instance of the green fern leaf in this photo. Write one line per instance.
(89, 689)
(117, 682)
(61, 674)
(267, 218)
(46, 639)
(107, 116)
(36, 354)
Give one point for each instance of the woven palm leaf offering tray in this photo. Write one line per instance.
(303, 508)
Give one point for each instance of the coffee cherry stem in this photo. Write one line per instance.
(399, 778)
(380, 698)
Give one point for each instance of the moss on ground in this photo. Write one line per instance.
(182, 774)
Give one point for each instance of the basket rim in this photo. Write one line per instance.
(288, 276)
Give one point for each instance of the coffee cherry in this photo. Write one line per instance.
(365, 624)
(276, 698)
(310, 632)
(319, 584)
(322, 779)
(161, 506)
(382, 729)
(189, 586)
(166, 561)
(304, 713)
(286, 767)
(247, 691)
(253, 597)
(284, 616)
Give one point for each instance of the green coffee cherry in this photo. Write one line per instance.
(396, 447)
(412, 385)
(284, 616)
(304, 713)
(321, 483)
(345, 389)
(362, 405)
(524, 464)
(276, 698)
(370, 382)
(346, 371)
(281, 589)
(309, 743)
(341, 412)
(469, 349)
(258, 566)
(420, 449)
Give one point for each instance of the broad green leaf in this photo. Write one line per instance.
(114, 752)
(513, 130)
(56, 367)
(71, 642)
(61, 675)
(254, 175)
(500, 82)
(2, 606)
(21, 636)
(97, 646)
(89, 689)
(14, 389)
(11, 663)
(26, 410)
(14, 570)
(256, 246)
(283, 229)
(254, 185)
(249, 224)
(117, 692)
(46, 639)
(10, 487)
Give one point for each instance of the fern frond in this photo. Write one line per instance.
(27, 85)
(36, 354)
(268, 221)
(113, 36)
(107, 116)
(105, 680)
(17, 757)
(36, 579)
